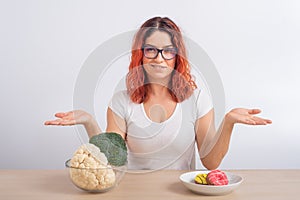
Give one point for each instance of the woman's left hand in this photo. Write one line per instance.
(246, 116)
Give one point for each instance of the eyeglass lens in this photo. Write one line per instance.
(152, 52)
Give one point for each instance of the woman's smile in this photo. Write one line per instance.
(158, 66)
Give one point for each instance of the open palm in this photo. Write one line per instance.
(247, 116)
(70, 118)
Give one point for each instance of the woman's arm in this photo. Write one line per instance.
(76, 117)
(114, 122)
(214, 144)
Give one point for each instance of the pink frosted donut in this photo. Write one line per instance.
(217, 177)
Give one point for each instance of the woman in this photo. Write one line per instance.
(162, 113)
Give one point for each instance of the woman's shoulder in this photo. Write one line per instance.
(196, 93)
(121, 96)
(121, 93)
(200, 96)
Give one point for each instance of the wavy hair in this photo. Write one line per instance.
(181, 85)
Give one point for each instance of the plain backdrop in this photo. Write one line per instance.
(254, 45)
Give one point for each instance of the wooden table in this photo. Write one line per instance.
(56, 185)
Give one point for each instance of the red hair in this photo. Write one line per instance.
(181, 85)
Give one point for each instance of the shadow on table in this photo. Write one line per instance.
(178, 188)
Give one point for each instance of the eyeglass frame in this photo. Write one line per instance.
(159, 51)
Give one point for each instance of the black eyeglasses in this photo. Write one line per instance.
(152, 52)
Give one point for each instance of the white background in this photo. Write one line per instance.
(254, 45)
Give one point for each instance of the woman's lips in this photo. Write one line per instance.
(159, 66)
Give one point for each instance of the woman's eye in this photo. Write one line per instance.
(150, 49)
(170, 51)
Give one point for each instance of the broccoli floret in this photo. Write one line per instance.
(113, 146)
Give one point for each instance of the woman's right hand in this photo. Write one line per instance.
(70, 118)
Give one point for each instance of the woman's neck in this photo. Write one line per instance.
(159, 86)
(158, 90)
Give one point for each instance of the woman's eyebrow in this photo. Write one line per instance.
(169, 45)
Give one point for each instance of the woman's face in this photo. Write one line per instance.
(159, 68)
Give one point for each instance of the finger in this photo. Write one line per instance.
(254, 111)
(60, 114)
(69, 115)
(52, 122)
(248, 121)
(260, 121)
(268, 121)
(67, 122)
(47, 123)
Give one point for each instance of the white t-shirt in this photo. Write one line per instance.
(166, 145)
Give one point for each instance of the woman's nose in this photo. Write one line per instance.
(159, 58)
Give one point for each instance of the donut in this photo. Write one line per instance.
(217, 177)
(201, 179)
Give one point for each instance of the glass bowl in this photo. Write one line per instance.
(96, 180)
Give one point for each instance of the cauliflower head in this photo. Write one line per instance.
(90, 170)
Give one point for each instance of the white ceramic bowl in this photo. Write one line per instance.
(188, 181)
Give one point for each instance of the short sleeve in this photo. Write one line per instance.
(204, 103)
(119, 103)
